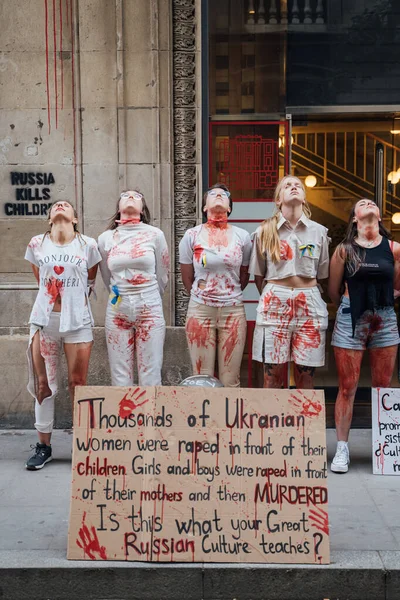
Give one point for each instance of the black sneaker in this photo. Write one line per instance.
(39, 458)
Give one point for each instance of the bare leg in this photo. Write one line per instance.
(348, 365)
(276, 376)
(304, 377)
(42, 385)
(77, 356)
(382, 365)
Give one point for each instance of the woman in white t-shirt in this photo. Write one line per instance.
(214, 260)
(134, 267)
(64, 263)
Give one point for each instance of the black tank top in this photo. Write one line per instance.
(371, 287)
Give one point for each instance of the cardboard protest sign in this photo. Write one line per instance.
(186, 474)
(386, 431)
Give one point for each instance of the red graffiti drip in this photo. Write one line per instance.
(46, 28)
(89, 542)
(61, 55)
(73, 99)
(130, 402)
(286, 251)
(55, 60)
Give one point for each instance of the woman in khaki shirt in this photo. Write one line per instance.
(289, 253)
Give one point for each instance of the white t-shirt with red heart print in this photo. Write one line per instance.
(63, 271)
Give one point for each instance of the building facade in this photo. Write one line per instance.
(167, 96)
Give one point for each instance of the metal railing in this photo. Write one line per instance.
(347, 161)
(285, 12)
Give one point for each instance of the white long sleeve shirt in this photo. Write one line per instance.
(135, 259)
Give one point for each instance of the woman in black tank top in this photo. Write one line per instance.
(363, 275)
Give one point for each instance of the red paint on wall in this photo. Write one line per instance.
(46, 29)
(55, 61)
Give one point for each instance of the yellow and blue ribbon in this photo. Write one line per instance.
(116, 299)
(204, 260)
(307, 248)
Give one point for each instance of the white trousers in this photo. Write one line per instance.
(136, 325)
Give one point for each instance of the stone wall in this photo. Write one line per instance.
(87, 98)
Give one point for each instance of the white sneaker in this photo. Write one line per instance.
(341, 461)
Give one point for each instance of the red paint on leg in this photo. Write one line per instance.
(122, 322)
(198, 333)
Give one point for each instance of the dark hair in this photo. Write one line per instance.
(144, 216)
(352, 253)
(77, 232)
(222, 186)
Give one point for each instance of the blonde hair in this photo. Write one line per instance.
(268, 241)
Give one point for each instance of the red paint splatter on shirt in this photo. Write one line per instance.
(53, 288)
(286, 251)
(198, 252)
(138, 279)
(89, 542)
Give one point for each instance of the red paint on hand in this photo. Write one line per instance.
(304, 406)
(89, 542)
(319, 519)
(130, 402)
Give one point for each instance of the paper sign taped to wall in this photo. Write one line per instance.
(386, 431)
(179, 474)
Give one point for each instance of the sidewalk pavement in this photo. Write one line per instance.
(34, 511)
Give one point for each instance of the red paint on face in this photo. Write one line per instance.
(53, 289)
(286, 251)
(138, 279)
(89, 542)
(232, 339)
(198, 333)
(130, 402)
(198, 252)
(122, 322)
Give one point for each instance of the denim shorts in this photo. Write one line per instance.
(376, 329)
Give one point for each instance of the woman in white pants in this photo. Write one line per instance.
(134, 268)
(64, 263)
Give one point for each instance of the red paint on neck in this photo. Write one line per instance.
(220, 222)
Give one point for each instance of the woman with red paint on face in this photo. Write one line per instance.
(64, 263)
(214, 261)
(290, 252)
(364, 271)
(134, 268)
